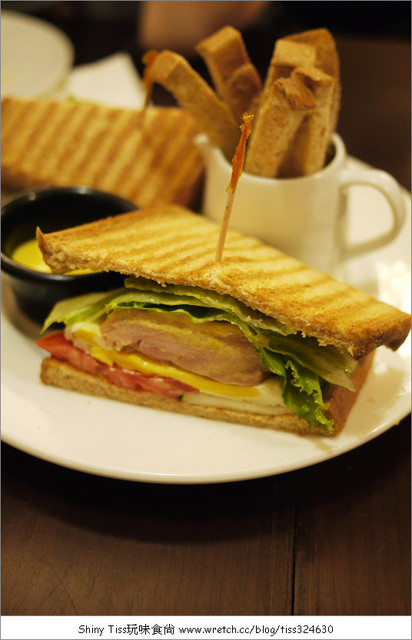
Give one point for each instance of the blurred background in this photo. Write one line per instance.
(373, 41)
(135, 26)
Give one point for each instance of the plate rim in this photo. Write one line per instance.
(215, 477)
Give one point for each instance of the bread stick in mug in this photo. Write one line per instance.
(276, 123)
(235, 78)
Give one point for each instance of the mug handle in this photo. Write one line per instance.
(390, 189)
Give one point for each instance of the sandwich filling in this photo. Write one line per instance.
(198, 346)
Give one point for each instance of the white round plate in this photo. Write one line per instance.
(111, 439)
(36, 57)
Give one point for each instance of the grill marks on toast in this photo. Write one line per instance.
(40, 146)
(74, 155)
(169, 244)
(116, 151)
(193, 258)
(66, 143)
(156, 156)
(141, 156)
(167, 252)
(21, 146)
(10, 116)
(169, 158)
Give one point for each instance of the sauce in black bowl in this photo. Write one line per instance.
(53, 209)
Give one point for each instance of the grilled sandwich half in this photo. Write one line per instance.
(258, 338)
(143, 156)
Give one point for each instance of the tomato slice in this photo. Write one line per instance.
(61, 348)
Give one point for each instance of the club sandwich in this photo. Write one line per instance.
(257, 339)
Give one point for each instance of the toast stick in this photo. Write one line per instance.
(194, 95)
(277, 121)
(327, 60)
(286, 56)
(235, 78)
(314, 50)
(310, 145)
(148, 60)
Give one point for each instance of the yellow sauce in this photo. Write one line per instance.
(29, 255)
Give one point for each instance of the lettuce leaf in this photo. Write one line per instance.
(89, 306)
(210, 299)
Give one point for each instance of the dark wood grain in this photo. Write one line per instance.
(353, 532)
(88, 545)
(332, 539)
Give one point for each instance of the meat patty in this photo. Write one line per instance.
(214, 349)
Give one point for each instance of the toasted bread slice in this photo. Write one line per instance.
(141, 156)
(315, 53)
(276, 123)
(240, 86)
(325, 47)
(287, 55)
(327, 60)
(310, 145)
(170, 244)
(338, 403)
(194, 95)
(235, 78)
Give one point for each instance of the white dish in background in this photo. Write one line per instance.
(116, 440)
(36, 57)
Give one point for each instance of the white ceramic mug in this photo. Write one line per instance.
(305, 217)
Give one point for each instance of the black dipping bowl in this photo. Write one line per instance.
(53, 209)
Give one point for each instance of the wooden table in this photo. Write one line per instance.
(331, 539)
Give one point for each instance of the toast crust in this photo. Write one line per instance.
(235, 78)
(340, 401)
(170, 244)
